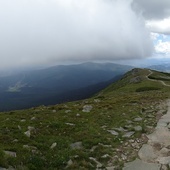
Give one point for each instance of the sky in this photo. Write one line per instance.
(35, 33)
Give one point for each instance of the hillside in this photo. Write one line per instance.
(103, 132)
(56, 84)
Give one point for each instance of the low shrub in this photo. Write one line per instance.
(141, 89)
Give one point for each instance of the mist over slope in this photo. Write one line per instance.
(56, 84)
(161, 67)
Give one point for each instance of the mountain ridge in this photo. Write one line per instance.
(103, 131)
(34, 88)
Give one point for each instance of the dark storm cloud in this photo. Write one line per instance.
(153, 9)
(36, 32)
(156, 13)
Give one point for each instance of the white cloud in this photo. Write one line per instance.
(159, 26)
(48, 31)
(163, 47)
(161, 44)
(154, 36)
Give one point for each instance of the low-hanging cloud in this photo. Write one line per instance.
(50, 31)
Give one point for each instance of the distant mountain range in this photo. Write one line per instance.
(57, 84)
(161, 67)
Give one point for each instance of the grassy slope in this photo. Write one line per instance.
(65, 124)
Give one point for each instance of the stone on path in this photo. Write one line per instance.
(146, 153)
(164, 160)
(164, 152)
(161, 124)
(154, 155)
(160, 135)
(141, 165)
(164, 167)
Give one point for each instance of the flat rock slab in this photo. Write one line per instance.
(128, 134)
(160, 135)
(146, 153)
(166, 117)
(161, 124)
(138, 128)
(113, 132)
(141, 165)
(164, 160)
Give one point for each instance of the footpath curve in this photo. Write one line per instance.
(162, 82)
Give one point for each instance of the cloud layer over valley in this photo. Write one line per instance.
(39, 32)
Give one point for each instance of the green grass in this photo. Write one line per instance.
(117, 104)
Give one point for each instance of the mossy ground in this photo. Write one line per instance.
(65, 124)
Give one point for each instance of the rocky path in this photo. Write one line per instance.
(162, 82)
(155, 155)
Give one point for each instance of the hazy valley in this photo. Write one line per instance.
(56, 84)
